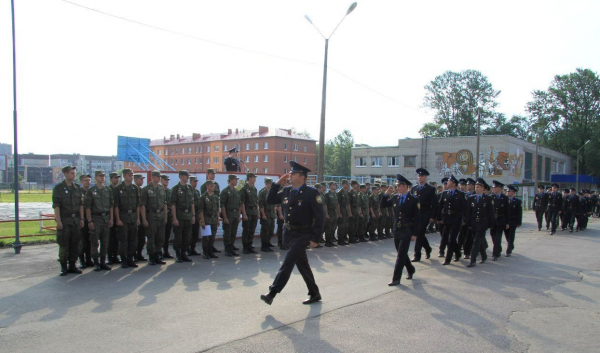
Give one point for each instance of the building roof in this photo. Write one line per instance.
(262, 132)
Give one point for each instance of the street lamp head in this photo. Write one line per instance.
(351, 8)
(308, 19)
(588, 141)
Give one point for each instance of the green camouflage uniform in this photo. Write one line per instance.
(182, 197)
(100, 203)
(374, 222)
(209, 207)
(127, 200)
(267, 227)
(154, 198)
(364, 207)
(330, 200)
(231, 201)
(69, 199)
(343, 201)
(249, 198)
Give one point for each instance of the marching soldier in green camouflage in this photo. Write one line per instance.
(344, 202)
(164, 181)
(67, 202)
(354, 216)
(112, 256)
(183, 210)
(154, 217)
(230, 209)
(364, 213)
(127, 215)
(138, 180)
(208, 210)
(195, 226)
(332, 213)
(381, 222)
(267, 217)
(374, 211)
(98, 206)
(85, 248)
(249, 199)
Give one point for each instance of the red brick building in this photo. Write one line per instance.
(264, 150)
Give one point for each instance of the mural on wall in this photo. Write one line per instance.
(491, 162)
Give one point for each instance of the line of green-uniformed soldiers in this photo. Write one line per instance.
(101, 224)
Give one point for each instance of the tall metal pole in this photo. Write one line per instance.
(17, 245)
(478, 132)
(320, 168)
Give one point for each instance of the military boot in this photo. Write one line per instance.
(245, 251)
(166, 255)
(82, 264)
(265, 248)
(103, 265)
(96, 264)
(151, 260)
(139, 256)
(73, 268)
(184, 257)
(158, 260)
(215, 249)
(205, 253)
(178, 256)
(124, 262)
(88, 260)
(193, 251)
(228, 250)
(251, 248)
(211, 253)
(63, 269)
(232, 249)
(130, 262)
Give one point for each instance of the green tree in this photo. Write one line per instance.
(568, 114)
(518, 126)
(338, 154)
(458, 98)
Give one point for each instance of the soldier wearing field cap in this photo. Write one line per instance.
(231, 208)
(98, 206)
(344, 202)
(154, 217)
(443, 241)
(210, 176)
(554, 207)
(127, 216)
(374, 212)
(428, 201)
(196, 226)
(267, 217)
(381, 222)
(164, 181)
(249, 200)
(85, 255)
(138, 180)
(209, 217)
(332, 212)
(501, 222)
(67, 202)
(452, 210)
(183, 210)
(112, 256)
(540, 205)
(405, 213)
(515, 218)
(355, 212)
(480, 217)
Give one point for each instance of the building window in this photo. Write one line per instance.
(183, 151)
(410, 161)
(305, 160)
(255, 170)
(375, 161)
(175, 162)
(199, 149)
(393, 161)
(196, 149)
(265, 170)
(285, 159)
(296, 159)
(216, 148)
(159, 151)
(175, 150)
(166, 151)
(256, 146)
(360, 161)
(207, 160)
(295, 147)
(305, 149)
(247, 159)
(216, 160)
(285, 171)
(189, 150)
(256, 158)
(285, 146)
(266, 145)
(200, 160)
(265, 158)
(207, 149)
(182, 161)
(225, 149)
(247, 147)
(189, 161)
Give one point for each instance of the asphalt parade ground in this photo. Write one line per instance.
(542, 299)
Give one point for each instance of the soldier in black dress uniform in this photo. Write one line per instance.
(304, 218)
(480, 217)
(428, 200)
(540, 205)
(232, 163)
(501, 222)
(554, 207)
(468, 240)
(443, 242)
(515, 218)
(405, 209)
(452, 211)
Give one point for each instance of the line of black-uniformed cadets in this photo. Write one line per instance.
(100, 223)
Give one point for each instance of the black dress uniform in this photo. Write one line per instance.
(480, 217)
(554, 208)
(304, 218)
(405, 209)
(232, 164)
(443, 241)
(515, 218)
(428, 200)
(452, 209)
(501, 214)
(540, 205)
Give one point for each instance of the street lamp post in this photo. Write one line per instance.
(320, 168)
(17, 245)
(535, 160)
(577, 181)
